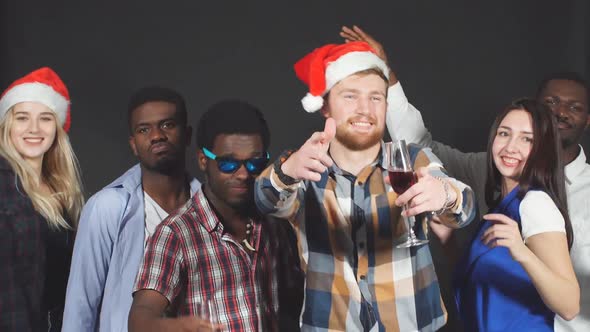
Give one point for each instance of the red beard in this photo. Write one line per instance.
(355, 141)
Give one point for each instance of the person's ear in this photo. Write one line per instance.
(201, 160)
(132, 145)
(325, 110)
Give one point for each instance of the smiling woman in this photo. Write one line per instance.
(511, 147)
(41, 201)
(516, 274)
(32, 131)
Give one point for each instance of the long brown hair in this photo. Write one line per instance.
(543, 169)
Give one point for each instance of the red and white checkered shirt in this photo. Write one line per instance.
(189, 259)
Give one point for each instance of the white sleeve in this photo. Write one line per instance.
(403, 120)
(539, 214)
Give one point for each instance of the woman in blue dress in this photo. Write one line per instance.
(517, 273)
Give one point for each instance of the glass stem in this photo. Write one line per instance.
(411, 234)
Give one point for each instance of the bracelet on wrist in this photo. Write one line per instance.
(448, 203)
(286, 179)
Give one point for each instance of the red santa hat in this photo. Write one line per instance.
(41, 86)
(329, 64)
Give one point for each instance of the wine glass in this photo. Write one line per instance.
(402, 177)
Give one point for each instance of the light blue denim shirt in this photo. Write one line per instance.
(108, 250)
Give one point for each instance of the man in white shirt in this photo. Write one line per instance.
(117, 221)
(568, 95)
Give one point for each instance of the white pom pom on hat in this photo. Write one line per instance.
(325, 66)
(312, 103)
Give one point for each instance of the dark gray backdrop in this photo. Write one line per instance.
(459, 61)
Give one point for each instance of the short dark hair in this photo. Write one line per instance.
(566, 76)
(543, 169)
(157, 93)
(231, 116)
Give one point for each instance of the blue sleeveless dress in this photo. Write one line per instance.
(493, 291)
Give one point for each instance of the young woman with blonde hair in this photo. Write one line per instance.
(40, 201)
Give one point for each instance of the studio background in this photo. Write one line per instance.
(459, 61)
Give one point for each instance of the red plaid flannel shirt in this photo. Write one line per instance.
(189, 259)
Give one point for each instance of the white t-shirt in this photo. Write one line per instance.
(538, 214)
(154, 215)
(578, 199)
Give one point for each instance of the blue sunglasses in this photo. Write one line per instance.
(231, 165)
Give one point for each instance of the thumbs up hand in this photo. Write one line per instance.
(312, 159)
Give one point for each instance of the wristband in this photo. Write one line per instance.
(285, 179)
(448, 204)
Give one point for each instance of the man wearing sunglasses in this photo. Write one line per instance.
(117, 221)
(217, 249)
(335, 192)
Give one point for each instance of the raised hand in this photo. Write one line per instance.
(504, 233)
(312, 159)
(428, 194)
(357, 34)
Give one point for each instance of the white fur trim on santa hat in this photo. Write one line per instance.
(312, 103)
(36, 92)
(351, 63)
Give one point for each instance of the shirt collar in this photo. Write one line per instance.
(381, 157)
(131, 180)
(365, 172)
(573, 169)
(210, 218)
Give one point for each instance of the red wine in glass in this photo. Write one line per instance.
(401, 178)
(402, 181)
